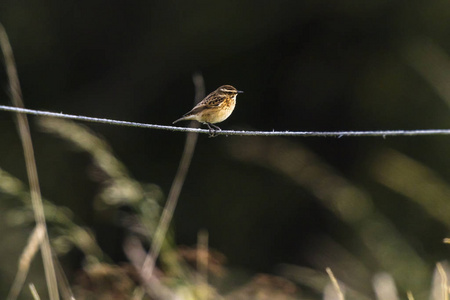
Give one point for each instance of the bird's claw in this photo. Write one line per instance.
(213, 130)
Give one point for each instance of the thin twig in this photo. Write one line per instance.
(175, 190)
(34, 292)
(64, 285)
(444, 285)
(136, 254)
(28, 253)
(338, 134)
(335, 284)
(25, 136)
(409, 295)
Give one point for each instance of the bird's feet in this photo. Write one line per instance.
(213, 130)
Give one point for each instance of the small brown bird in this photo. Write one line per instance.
(215, 108)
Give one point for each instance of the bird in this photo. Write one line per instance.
(214, 108)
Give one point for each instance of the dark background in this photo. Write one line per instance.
(304, 65)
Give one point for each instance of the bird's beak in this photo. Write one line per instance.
(240, 92)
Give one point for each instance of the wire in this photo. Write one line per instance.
(338, 134)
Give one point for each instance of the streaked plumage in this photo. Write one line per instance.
(215, 108)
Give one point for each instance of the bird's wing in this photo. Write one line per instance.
(210, 103)
(195, 110)
(214, 102)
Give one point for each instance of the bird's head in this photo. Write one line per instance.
(228, 90)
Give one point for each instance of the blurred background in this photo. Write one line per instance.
(372, 209)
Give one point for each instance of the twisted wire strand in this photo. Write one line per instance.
(373, 133)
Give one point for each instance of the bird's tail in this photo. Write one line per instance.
(178, 120)
(186, 117)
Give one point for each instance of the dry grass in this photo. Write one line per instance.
(185, 273)
(33, 179)
(120, 183)
(338, 290)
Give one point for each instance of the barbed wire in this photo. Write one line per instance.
(338, 134)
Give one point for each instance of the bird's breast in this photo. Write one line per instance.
(220, 113)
